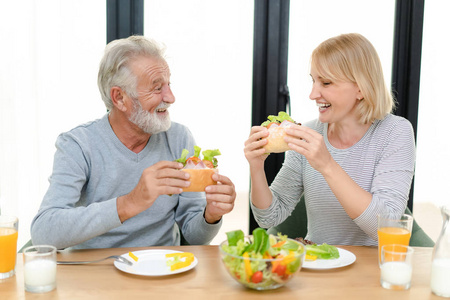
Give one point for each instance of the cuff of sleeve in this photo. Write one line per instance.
(264, 217)
(110, 214)
(212, 225)
(368, 220)
(204, 218)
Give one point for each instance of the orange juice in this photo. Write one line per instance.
(392, 235)
(8, 249)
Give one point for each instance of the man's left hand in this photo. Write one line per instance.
(219, 198)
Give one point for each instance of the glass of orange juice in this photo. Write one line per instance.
(9, 226)
(393, 230)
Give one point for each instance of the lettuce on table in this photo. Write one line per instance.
(323, 251)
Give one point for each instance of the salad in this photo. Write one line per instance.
(261, 261)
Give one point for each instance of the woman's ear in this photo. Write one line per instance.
(118, 99)
(359, 95)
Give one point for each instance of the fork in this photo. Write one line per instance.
(118, 258)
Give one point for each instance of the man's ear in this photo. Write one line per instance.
(118, 98)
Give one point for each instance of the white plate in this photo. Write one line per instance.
(151, 263)
(345, 258)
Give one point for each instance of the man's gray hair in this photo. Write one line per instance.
(115, 65)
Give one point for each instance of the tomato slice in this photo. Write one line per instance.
(194, 159)
(272, 123)
(208, 164)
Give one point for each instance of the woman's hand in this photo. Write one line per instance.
(255, 154)
(310, 144)
(254, 147)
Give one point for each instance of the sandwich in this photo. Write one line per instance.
(277, 131)
(200, 170)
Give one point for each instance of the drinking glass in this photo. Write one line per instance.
(396, 267)
(39, 268)
(440, 266)
(393, 231)
(9, 226)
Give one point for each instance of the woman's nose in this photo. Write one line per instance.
(315, 94)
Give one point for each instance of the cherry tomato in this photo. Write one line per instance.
(257, 277)
(280, 270)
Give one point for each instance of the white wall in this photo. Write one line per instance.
(209, 49)
(433, 138)
(312, 22)
(50, 53)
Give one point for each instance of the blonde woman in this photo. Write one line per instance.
(353, 162)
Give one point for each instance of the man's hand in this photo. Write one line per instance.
(163, 178)
(219, 198)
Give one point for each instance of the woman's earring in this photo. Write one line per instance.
(361, 99)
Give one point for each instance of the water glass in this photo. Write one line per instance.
(396, 267)
(9, 226)
(40, 268)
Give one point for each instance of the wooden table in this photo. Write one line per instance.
(209, 279)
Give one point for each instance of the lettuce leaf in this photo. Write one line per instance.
(282, 116)
(234, 236)
(260, 240)
(197, 150)
(323, 251)
(183, 156)
(290, 246)
(209, 155)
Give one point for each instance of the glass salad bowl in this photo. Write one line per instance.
(265, 267)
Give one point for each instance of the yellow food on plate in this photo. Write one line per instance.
(179, 260)
(133, 256)
(310, 257)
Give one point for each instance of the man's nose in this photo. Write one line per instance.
(168, 95)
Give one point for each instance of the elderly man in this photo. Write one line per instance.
(114, 180)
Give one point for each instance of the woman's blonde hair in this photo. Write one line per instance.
(351, 57)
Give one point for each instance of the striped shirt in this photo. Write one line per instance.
(382, 163)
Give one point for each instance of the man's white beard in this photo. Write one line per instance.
(150, 123)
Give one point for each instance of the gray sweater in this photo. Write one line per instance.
(91, 169)
(382, 163)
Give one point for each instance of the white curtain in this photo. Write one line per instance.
(50, 52)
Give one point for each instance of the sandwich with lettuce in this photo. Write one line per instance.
(277, 131)
(199, 168)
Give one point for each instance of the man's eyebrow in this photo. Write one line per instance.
(157, 80)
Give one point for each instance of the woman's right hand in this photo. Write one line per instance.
(254, 147)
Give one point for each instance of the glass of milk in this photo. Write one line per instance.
(39, 268)
(396, 267)
(440, 267)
